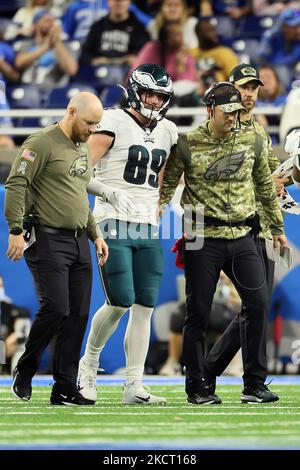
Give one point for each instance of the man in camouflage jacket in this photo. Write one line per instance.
(246, 79)
(221, 165)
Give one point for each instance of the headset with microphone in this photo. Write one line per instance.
(231, 96)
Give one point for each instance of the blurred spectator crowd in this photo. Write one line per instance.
(50, 49)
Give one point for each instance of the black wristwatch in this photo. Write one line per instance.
(16, 231)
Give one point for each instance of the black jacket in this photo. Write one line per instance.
(112, 40)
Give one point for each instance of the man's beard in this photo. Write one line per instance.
(207, 43)
(79, 136)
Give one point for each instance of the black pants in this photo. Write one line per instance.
(62, 271)
(241, 262)
(229, 343)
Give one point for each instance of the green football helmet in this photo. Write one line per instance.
(154, 78)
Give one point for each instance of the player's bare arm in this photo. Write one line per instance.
(99, 144)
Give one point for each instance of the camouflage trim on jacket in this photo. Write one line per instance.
(273, 162)
(219, 172)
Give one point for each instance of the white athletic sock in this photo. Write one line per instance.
(104, 323)
(136, 342)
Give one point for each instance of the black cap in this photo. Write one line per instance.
(244, 73)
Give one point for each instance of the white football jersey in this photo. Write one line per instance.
(132, 164)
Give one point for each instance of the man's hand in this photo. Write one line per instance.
(16, 245)
(102, 250)
(280, 180)
(279, 241)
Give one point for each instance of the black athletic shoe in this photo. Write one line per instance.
(21, 386)
(258, 394)
(204, 399)
(210, 386)
(67, 394)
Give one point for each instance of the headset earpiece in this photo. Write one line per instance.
(209, 96)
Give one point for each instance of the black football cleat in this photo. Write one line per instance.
(68, 394)
(21, 386)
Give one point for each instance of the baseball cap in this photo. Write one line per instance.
(291, 17)
(229, 102)
(244, 73)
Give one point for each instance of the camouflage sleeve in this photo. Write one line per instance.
(273, 161)
(92, 228)
(266, 192)
(29, 162)
(173, 171)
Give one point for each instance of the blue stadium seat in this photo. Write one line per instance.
(111, 96)
(74, 46)
(254, 26)
(59, 97)
(102, 75)
(24, 97)
(246, 49)
(225, 26)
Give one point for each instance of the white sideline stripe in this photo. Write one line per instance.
(140, 413)
(158, 381)
(157, 423)
(137, 432)
(172, 406)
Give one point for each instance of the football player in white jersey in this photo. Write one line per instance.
(130, 149)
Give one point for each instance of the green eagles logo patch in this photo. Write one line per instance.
(79, 166)
(225, 166)
(248, 71)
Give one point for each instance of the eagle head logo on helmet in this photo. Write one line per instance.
(151, 78)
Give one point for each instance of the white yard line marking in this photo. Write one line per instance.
(140, 413)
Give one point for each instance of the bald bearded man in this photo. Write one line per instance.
(47, 183)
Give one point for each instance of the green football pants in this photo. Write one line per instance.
(133, 271)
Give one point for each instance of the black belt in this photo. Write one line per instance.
(214, 222)
(61, 231)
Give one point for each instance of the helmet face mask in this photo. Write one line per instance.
(149, 78)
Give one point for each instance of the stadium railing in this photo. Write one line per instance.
(54, 114)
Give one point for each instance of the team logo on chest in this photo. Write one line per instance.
(225, 166)
(147, 138)
(79, 166)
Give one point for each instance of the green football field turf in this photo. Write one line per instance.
(176, 425)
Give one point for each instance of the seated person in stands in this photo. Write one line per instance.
(271, 94)
(206, 76)
(225, 306)
(280, 46)
(46, 60)
(175, 10)
(210, 47)
(169, 52)
(115, 38)
(79, 17)
(14, 329)
(8, 71)
(21, 25)
(272, 7)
